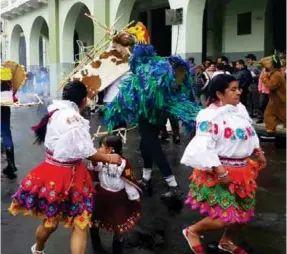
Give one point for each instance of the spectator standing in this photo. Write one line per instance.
(263, 96)
(200, 95)
(244, 79)
(220, 69)
(255, 71)
(192, 67)
(208, 74)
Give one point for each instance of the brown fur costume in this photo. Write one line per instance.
(275, 112)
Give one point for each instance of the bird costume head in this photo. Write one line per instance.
(140, 32)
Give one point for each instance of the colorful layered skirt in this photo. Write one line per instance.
(114, 212)
(56, 191)
(234, 202)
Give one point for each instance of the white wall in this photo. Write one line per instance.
(244, 43)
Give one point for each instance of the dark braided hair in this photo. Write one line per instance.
(114, 142)
(73, 91)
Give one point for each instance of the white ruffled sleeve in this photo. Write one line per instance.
(76, 143)
(200, 152)
(131, 191)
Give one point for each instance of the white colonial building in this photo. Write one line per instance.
(44, 33)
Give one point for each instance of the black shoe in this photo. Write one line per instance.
(259, 121)
(9, 173)
(176, 139)
(172, 193)
(163, 135)
(146, 186)
(118, 246)
(10, 160)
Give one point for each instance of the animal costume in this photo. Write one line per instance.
(147, 96)
(273, 79)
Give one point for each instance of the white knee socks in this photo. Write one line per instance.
(147, 173)
(171, 182)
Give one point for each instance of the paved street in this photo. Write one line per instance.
(160, 230)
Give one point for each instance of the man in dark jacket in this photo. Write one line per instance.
(244, 78)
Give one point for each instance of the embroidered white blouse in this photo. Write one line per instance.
(110, 179)
(225, 132)
(68, 135)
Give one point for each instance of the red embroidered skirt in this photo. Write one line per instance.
(114, 212)
(56, 192)
(231, 203)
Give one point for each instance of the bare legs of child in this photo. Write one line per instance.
(78, 239)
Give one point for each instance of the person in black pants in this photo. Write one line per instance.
(7, 141)
(151, 150)
(175, 130)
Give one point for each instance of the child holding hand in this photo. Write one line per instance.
(117, 199)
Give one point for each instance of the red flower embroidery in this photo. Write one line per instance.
(228, 132)
(215, 129)
(249, 131)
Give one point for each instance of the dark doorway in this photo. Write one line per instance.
(22, 51)
(160, 33)
(279, 24)
(76, 46)
(204, 35)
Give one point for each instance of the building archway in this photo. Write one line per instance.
(76, 27)
(39, 39)
(18, 46)
(212, 29)
(152, 14)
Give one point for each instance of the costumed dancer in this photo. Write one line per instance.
(223, 182)
(275, 112)
(117, 198)
(146, 97)
(9, 85)
(60, 188)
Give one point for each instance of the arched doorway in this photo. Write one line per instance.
(39, 40)
(275, 26)
(152, 14)
(212, 29)
(18, 46)
(78, 30)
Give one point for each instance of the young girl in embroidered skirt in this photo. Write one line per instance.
(117, 197)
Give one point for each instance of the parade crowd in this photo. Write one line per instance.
(248, 72)
(104, 194)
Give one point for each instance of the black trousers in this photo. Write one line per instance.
(263, 102)
(151, 149)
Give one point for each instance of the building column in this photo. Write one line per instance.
(187, 38)
(54, 48)
(101, 11)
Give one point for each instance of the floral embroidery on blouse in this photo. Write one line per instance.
(239, 133)
(207, 126)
